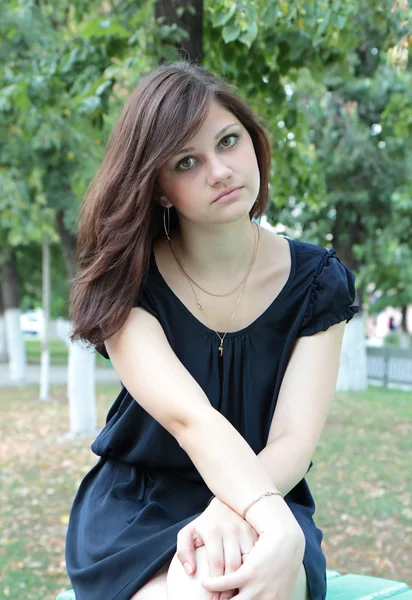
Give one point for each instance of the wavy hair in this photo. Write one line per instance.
(121, 215)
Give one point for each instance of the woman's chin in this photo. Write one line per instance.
(235, 213)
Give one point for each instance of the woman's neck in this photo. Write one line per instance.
(216, 253)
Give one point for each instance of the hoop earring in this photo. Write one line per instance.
(168, 221)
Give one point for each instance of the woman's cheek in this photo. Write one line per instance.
(185, 195)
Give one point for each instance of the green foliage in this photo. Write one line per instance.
(331, 80)
(57, 83)
(29, 259)
(324, 75)
(59, 67)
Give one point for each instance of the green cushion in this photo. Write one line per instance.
(345, 587)
(361, 587)
(68, 595)
(332, 574)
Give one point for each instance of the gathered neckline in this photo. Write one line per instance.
(251, 325)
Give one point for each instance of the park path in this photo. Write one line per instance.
(58, 375)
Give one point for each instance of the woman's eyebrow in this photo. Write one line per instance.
(191, 148)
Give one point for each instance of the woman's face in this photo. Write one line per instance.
(220, 156)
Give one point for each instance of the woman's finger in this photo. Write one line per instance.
(248, 538)
(226, 582)
(214, 555)
(233, 561)
(185, 550)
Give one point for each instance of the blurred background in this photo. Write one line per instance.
(332, 80)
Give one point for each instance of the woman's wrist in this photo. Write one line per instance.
(269, 513)
(261, 497)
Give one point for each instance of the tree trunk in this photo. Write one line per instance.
(81, 390)
(345, 237)
(190, 48)
(405, 339)
(353, 363)
(68, 242)
(3, 344)
(82, 361)
(45, 350)
(404, 313)
(14, 336)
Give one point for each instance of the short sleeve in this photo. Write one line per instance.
(145, 300)
(332, 293)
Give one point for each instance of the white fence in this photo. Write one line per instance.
(390, 365)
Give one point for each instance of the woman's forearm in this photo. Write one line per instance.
(286, 462)
(231, 469)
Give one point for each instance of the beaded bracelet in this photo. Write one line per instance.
(273, 493)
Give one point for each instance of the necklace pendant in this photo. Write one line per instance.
(221, 349)
(199, 305)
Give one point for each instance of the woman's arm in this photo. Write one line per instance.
(155, 377)
(302, 407)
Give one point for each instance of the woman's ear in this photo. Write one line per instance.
(164, 202)
(158, 195)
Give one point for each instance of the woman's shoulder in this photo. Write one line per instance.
(310, 263)
(307, 249)
(294, 254)
(308, 257)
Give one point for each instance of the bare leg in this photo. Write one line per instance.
(181, 586)
(301, 589)
(155, 588)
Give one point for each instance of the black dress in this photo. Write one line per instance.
(144, 487)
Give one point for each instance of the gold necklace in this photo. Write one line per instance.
(200, 287)
(200, 305)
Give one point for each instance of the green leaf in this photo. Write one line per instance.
(324, 22)
(221, 18)
(338, 21)
(109, 27)
(249, 36)
(231, 32)
(90, 105)
(103, 87)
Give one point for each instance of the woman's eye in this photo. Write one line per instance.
(232, 135)
(181, 163)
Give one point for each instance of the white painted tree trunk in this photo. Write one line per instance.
(81, 389)
(3, 344)
(404, 339)
(15, 345)
(353, 364)
(45, 349)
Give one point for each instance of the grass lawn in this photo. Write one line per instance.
(58, 353)
(361, 480)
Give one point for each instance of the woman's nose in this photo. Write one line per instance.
(218, 170)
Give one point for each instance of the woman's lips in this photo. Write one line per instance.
(228, 196)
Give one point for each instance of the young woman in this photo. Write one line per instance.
(226, 338)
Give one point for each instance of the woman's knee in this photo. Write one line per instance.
(181, 586)
(301, 589)
(155, 588)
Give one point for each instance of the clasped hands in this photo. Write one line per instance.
(243, 564)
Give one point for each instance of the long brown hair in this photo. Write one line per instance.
(121, 215)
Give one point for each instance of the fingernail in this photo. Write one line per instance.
(215, 597)
(187, 568)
